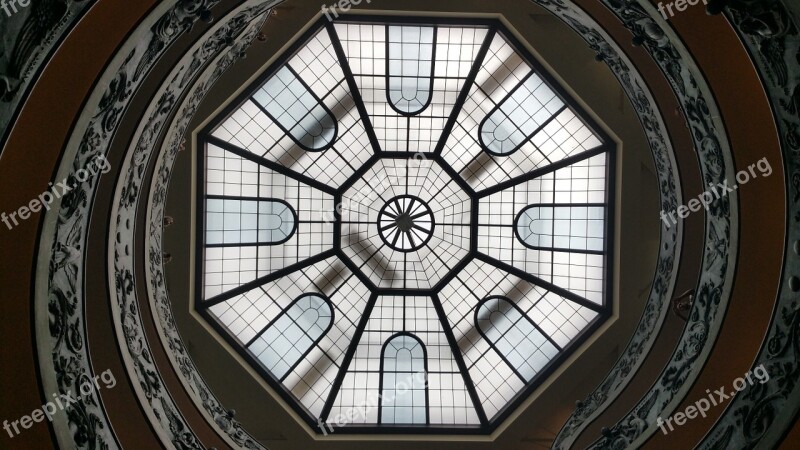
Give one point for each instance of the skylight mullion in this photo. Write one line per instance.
(533, 279)
(462, 97)
(459, 358)
(566, 162)
(455, 177)
(421, 229)
(348, 358)
(275, 167)
(365, 280)
(351, 83)
(565, 250)
(225, 296)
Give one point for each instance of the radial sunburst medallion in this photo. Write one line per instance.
(406, 223)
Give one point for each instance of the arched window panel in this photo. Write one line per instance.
(313, 378)
(393, 82)
(567, 228)
(317, 64)
(496, 377)
(562, 137)
(411, 51)
(501, 71)
(559, 318)
(288, 339)
(251, 128)
(243, 221)
(246, 316)
(515, 116)
(514, 336)
(448, 399)
(579, 268)
(404, 392)
(288, 101)
(245, 229)
(515, 119)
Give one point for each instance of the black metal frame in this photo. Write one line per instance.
(604, 310)
(414, 246)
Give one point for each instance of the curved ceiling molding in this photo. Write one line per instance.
(59, 290)
(217, 50)
(721, 234)
(657, 305)
(668, 184)
(59, 298)
(37, 31)
(761, 414)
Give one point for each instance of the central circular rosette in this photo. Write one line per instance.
(405, 223)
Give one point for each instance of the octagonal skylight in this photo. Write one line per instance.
(404, 225)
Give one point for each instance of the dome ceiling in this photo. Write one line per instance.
(404, 226)
(398, 198)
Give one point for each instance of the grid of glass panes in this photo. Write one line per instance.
(305, 118)
(454, 53)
